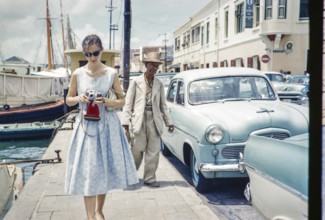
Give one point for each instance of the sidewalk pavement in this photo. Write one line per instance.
(43, 196)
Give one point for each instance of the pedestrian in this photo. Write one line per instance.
(99, 157)
(145, 112)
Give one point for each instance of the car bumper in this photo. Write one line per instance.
(210, 167)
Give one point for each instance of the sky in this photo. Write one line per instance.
(23, 27)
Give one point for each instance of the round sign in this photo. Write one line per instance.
(265, 58)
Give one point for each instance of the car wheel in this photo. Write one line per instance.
(200, 183)
(165, 151)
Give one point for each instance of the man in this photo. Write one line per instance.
(144, 113)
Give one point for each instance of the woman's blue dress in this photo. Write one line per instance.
(99, 158)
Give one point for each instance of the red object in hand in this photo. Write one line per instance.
(92, 113)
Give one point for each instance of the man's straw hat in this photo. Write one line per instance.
(152, 57)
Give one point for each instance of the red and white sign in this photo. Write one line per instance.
(265, 58)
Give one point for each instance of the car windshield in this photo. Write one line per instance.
(275, 77)
(300, 80)
(230, 89)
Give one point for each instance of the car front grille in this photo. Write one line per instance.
(292, 97)
(275, 135)
(232, 152)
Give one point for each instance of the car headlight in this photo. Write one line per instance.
(214, 134)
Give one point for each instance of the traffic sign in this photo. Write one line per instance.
(265, 58)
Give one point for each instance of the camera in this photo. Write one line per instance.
(92, 112)
(93, 94)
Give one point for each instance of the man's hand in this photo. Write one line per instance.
(170, 128)
(126, 127)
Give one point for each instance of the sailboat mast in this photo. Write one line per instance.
(63, 39)
(48, 28)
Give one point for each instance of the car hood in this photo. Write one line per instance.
(244, 117)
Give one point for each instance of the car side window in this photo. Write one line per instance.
(172, 92)
(180, 93)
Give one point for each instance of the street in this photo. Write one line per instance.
(226, 200)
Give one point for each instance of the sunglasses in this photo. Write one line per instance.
(95, 54)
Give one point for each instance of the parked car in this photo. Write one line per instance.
(288, 92)
(294, 93)
(300, 79)
(215, 110)
(278, 176)
(275, 76)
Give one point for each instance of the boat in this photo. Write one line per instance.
(7, 177)
(24, 131)
(46, 111)
(37, 96)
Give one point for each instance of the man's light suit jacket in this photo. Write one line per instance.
(135, 101)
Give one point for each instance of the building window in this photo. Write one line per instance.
(177, 43)
(208, 31)
(186, 39)
(239, 16)
(304, 13)
(195, 34)
(224, 63)
(184, 45)
(257, 13)
(202, 36)
(226, 23)
(268, 9)
(282, 9)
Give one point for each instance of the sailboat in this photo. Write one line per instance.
(38, 96)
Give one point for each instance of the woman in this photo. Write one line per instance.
(99, 157)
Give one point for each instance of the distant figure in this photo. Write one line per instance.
(145, 113)
(287, 74)
(99, 158)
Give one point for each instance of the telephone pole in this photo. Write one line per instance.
(112, 27)
(126, 48)
(165, 58)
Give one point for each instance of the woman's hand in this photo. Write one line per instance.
(100, 100)
(82, 98)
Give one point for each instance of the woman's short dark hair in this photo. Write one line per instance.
(91, 40)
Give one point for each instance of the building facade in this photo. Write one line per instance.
(137, 56)
(269, 35)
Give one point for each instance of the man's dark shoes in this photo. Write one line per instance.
(153, 184)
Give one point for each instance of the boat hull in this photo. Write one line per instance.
(36, 130)
(42, 112)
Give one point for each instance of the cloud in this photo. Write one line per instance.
(23, 31)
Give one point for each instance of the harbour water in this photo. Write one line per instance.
(23, 150)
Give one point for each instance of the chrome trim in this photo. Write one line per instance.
(210, 167)
(247, 192)
(278, 183)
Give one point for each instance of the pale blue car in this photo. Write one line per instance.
(278, 176)
(215, 111)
